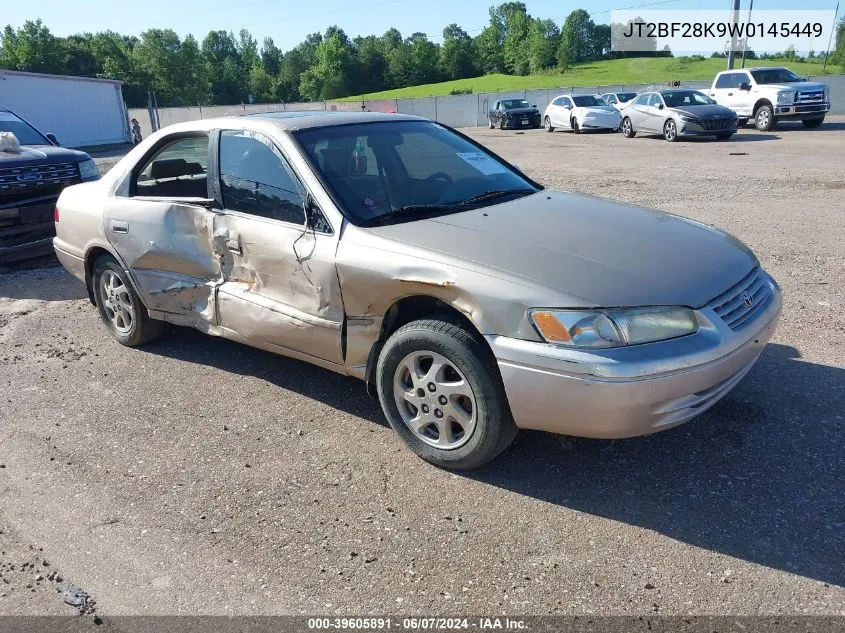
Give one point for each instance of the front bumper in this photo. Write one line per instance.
(691, 128)
(807, 111)
(625, 392)
(523, 121)
(26, 230)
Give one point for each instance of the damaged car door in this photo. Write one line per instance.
(279, 287)
(161, 227)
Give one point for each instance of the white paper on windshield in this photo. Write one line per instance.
(483, 163)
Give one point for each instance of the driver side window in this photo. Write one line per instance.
(655, 101)
(642, 100)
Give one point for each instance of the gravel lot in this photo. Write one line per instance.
(199, 476)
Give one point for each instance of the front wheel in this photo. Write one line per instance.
(764, 118)
(547, 123)
(628, 128)
(575, 128)
(119, 306)
(670, 131)
(440, 389)
(492, 125)
(812, 124)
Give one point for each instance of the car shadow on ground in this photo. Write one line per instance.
(758, 477)
(48, 282)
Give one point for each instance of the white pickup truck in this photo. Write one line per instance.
(769, 95)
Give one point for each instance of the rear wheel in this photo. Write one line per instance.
(812, 124)
(764, 118)
(547, 123)
(442, 393)
(119, 306)
(628, 128)
(670, 131)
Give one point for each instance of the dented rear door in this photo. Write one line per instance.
(163, 233)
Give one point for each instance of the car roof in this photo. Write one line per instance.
(290, 120)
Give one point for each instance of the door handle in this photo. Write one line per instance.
(119, 226)
(730, 94)
(234, 246)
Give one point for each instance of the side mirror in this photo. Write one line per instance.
(52, 138)
(745, 86)
(659, 106)
(534, 106)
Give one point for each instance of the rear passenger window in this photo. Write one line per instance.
(255, 178)
(177, 170)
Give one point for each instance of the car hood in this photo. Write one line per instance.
(704, 111)
(521, 111)
(606, 253)
(798, 85)
(608, 109)
(41, 155)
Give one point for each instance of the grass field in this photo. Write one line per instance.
(641, 70)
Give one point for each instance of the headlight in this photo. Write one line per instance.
(88, 170)
(826, 94)
(786, 96)
(613, 328)
(689, 119)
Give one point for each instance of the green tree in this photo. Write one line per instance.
(223, 65)
(330, 76)
(370, 64)
(32, 48)
(543, 40)
(425, 59)
(271, 57)
(517, 23)
(457, 54)
(577, 38)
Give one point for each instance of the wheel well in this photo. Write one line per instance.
(761, 102)
(90, 257)
(403, 312)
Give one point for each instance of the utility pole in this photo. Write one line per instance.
(745, 41)
(734, 21)
(830, 39)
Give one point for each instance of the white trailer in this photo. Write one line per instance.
(80, 111)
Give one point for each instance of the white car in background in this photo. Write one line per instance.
(581, 112)
(619, 99)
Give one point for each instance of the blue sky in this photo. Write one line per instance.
(288, 22)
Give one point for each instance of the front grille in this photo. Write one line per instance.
(732, 306)
(36, 179)
(716, 124)
(810, 96)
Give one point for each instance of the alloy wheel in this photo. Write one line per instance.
(670, 131)
(116, 301)
(434, 399)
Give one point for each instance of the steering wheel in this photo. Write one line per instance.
(441, 177)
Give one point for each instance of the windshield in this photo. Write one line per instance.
(27, 135)
(626, 96)
(510, 104)
(585, 101)
(680, 98)
(394, 171)
(775, 76)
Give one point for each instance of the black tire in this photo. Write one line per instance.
(548, 125)
(492, 125)
(764, 118)
(574, 124)
(628, 128)
(494, 428)
(670, 130)
(502, 123)
(141, 329)
(812, 124)
(741, 122)
(724, 136)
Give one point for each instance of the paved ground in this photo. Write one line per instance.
(199, 476)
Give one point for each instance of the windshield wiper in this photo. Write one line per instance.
(492, 195)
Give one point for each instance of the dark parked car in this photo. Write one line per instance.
(514, 113)
(30, 183)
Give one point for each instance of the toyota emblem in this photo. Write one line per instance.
(747, 299)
